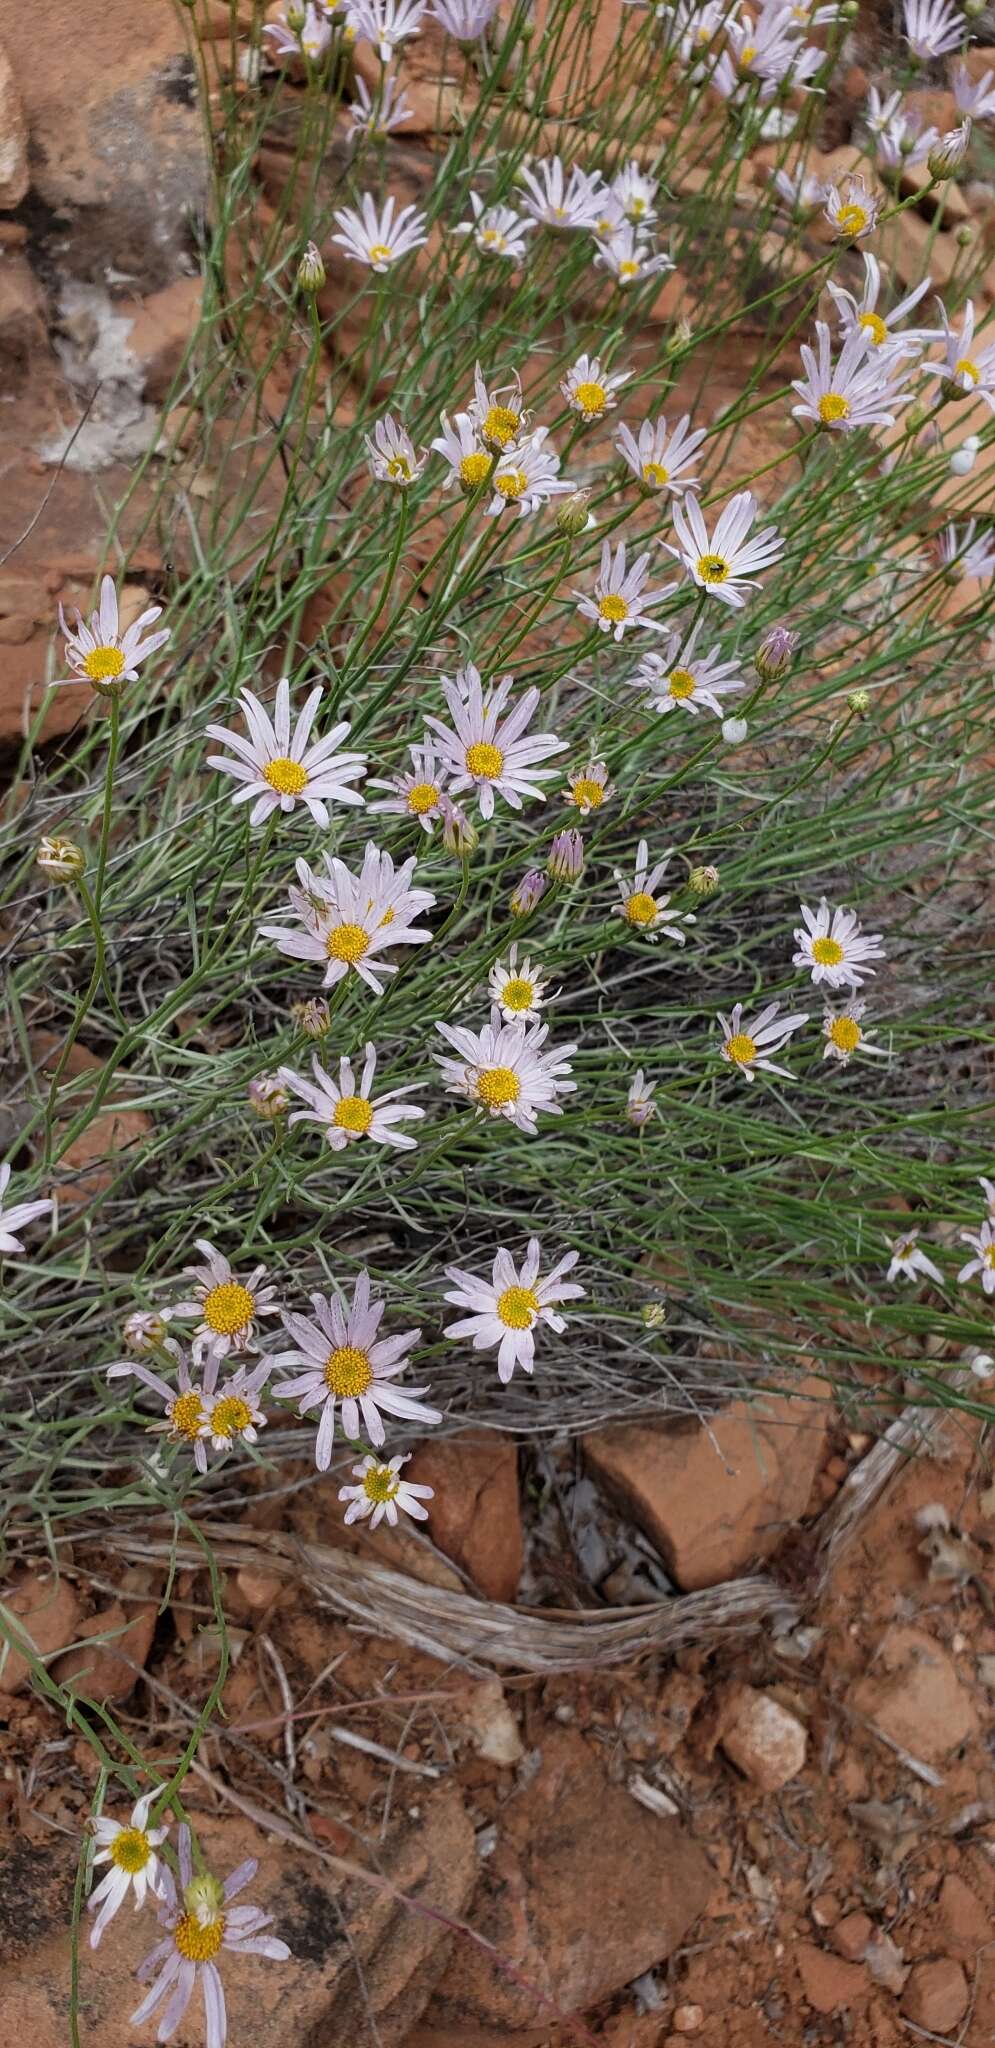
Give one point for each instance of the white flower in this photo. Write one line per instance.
(559, 199)
(517, 990)
(310, 39)
(386, 23)
(589, 390)
(962, 555)
(470, 465)
(801, 191)
(347, 1113)
(503, 1070)
(227, 1308)
(374, 236)
(99, 653)
(851, 209)
(907, 1261)
(659, 458)
(879, 113)
(831, 945)
(145, 1329)
(640, 904)
(857, 391)
(464, 19)
(635, 193)
(526, 476)
(489, 751)
(187, 1405)
(590, 788)
(419, 792)
(677, 679)
(392, 455)
(233, 1412)
(629, 257)
(639, 1103)
(844, 1034)
(496, 230)
(350, 920)
(965, 367)
(507, 1309)
(860, 315)
(905, 141)
(13, 1220)
(129, 1847)
(201, 1922)
(620, 601)
(932, 27)
(748, 1046)
(346, 1362)
(974, 97)
(377, 115)
(982, 1243)
(382, 1491)
(278, 768)
(726, 564)
(498, 415)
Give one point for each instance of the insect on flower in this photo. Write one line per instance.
(726, 564)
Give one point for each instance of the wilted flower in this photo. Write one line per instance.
(391, 453)
(947, 155)
(642, 907)
(313, 1017)
(60, 858)
(845, 1035)
(639, 1105)
(851, 209)
(589, 788)
(703, 881)
(267, 1097)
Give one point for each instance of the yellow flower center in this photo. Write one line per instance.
(990, 1255)
(965, 368)
(379, 253)
(380, 1484)
(131, 1850)
(230, 1416)
(518, 1307)
(680, 683)
(347, 942)
(497, 1086)
(353, 1113)
(613, 607)
(399, 466)
(518, 994)
(492, 238)
(587, 794)
(196, 1943)
(873, 325)
(832, 407)
(228, 1308)
(628, 268)
(851, 220)
(828, 952)
(102, 664)
(656, 473)
(845, 1033)
(640, 907)
(422, 797)
(186, 1416)
(637, 207)
(501, 425)
(474, 470)
(512, 483)
(591, 400)
(348, 1372)
(713, 568)
(747, 54)
(483, 758)
(285, 775)
(741, 1048)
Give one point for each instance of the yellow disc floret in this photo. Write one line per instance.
(640, 907)
(353, 1113)
(518, 994)
(680, 683)
(285, 775)
(965, 368)
(497, 1086)
(518, 1307)
(511, 484)
(833, 407)
(474, 470)
(379, 253)
(131, 1850)
(873, 325)
(348, 1372)
(422, 797)
(613, 607)
(591, 399)
(587, 793)
(483, 758)
(852, 219)
(186, 1416)
(656, 473)
(380, 1484)
(228, 1308)
(197, 1943)
(713, 568)
(845, 1033)
(103, 664)
(230, 1416)
(347, 942)
(741, 1048)
(501, 425)
(828, 952)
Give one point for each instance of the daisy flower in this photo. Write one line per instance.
(861, 315)
(276, 769)
(857, 391)
(386, 23)
(99, 653)
(851, 209)
(905, 141)
(726, 564)
(347, 1113)
(145, 1329)
(908, 1262)
(460, 445)
(590, 788)
(507, 1309)
(831, 945)
(879, 113)
(489, 751)
(589, 390)
(748, 1046)
(678, 679)
(518, 991)
(636, 193)
(932, 27)
(496, 230)
(201, 1924)
(374, 236)
(382, 1492)
(504, 1071)
(233, 1412)
(629, 257)
(559, 199)
(347, 1362)
(801, 192)
(310, 39)
(962, 555)
(658, 457)
(974, 98)
(228, 1308)
(13, 1220)
(620, 601)
(377, 115)
(464, 19)
(965, 368)
(982, 1243)
(419, 792)
(526, 476)
(639, 1103)
(641, 906)
(349, 920)
(391, 453)
(844, 1034)
(187, 1404)
(498, 415)
(129, 1847)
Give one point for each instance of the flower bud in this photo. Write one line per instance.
(458, 835)
(566, 856)
(964, 237)
(678, 342)
(734, 731)
(204, 1898)
(144, 1330)
(981, 1364)
(775, 653)
(850, 10)
(947, 155)
(963, 459)
(654, 1315)
(528, 892)
(267, 1097)
(313, 1018)
(703, 881)
(974, 9)
(572, 515)
(60, 858)
(295, 16)
(859, 702)
(310, 270)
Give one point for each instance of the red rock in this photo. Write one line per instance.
(936, 1996)
(828, 1983)
(584, 1891)
(161, 331)
(689, 2019)
(111, 1670)
(914, 1695)
(47, 1611)
(86, 1168)
(14, 178)
(714, 1499)
(475, 1518)
(764, 1740)
(851, 1935)
(22, 315)
(961, 1920)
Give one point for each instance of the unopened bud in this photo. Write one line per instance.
(458, 835)
(775, 653)
(60, 858)
(528, 892)
(947, 155)
(859, 702)
(295, 16)
(850, 10)
(734, 731)
(310, 270)
(267, 1097)
(703, 881)
(964, 237)
(981, 1364)
(963, 459)
(566, 856)
(144, 1330)
(974, 9)
(313, 1018)
(654, 1315)
(572, 515)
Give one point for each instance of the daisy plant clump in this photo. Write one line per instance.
(536, 779)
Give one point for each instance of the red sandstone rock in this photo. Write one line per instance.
(828, 1983)
(47, 1611)
(764, 1740)
(936, 1995)
(475, 1518)
(914, 1694)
